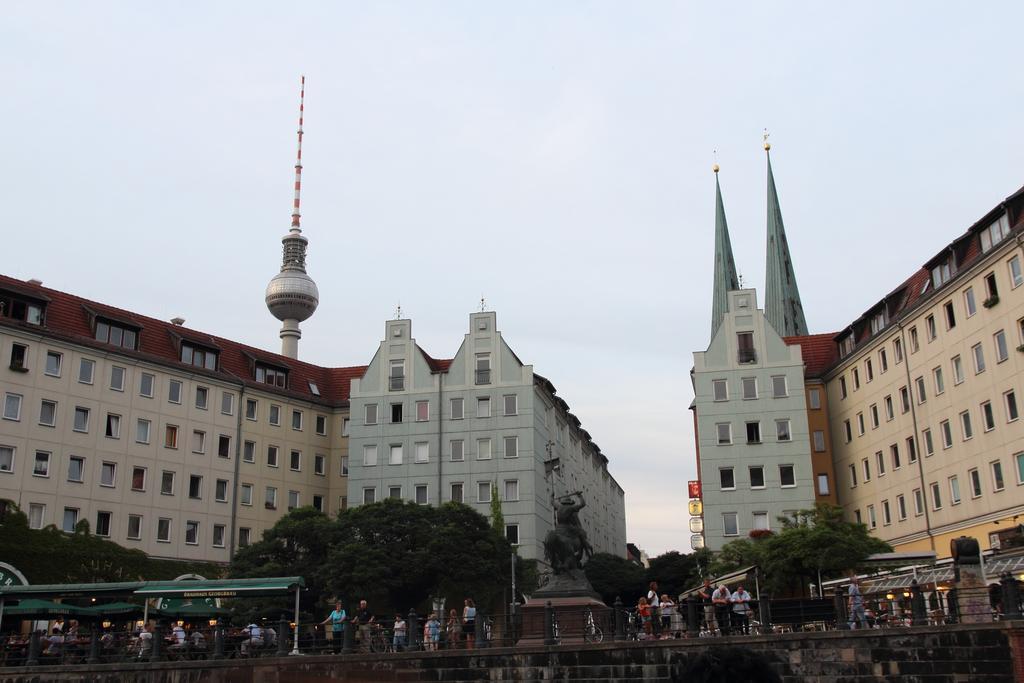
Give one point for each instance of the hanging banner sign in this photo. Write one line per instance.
(694, 488)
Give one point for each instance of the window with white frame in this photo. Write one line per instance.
(940, 384)
(730, 525)
(787, 476)
(979, 359)
(511, 446)
(988, 418)
(724, 433)
(457, 447)
(293, 500)
(814, 398)
(245, 494)
(48, 413)
(818, 437)
(918, 503)
(113, 429)
(76, 469)
(483, 406)
(457, 495)
(421, 452)
(422, 411)
(853, 475)
(727, 478)
(220, 491)
(823, 487)
(921, 395)
(894, 454)
(936, 495)
(970, 306)
(965, 425)
(167, 483)
(270, 498)
(191, 532)
(880, 463)
(749, 387)
(872, 519)
(6, 459)
(227, 403)
(70, 520)
(720, 389)
(512, 534)
(370, 414)
(370, 455)
(779, 388)
(1002, 351)
(53, 363)
(395, 457)
(947, 434)
(420, 494)
(483, 492)
(511, 404)
(901, 507)
(483, 449)
(103, 523)
(782, 431)
(41, 465)
(511, 489)
(134, 527)
(1016, 276)
(996, 468)
(295, 461)
(274, 415)
(251, 409)
(142, 430)
(163, 530)
(86, 371)
(138, 478)
(1010, 403)
(457, 406)
(117, 378)
(756, 473)
(954, 490)
(202, 397)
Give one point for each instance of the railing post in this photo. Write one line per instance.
(413, 631)
(620, 622)
(282, 636)
(692, 618)
(94, 646)
(764, 611)
(478, 629)
(953, 605)
(655, 621)
(158, 643)
(549, 624)
(218, 640)
(1011, 596)
(33, 649)
(349, 639)
(918, 614)
(842, 619)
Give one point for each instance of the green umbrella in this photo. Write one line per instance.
(114, 609)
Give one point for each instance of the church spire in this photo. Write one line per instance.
(725, 266)
(782, 305)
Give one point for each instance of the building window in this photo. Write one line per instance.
(344, 426)
(897, 350)
(274, 417)
(883, 361)
(988, 419)
(886, 515)
(275, 377)
(782, 432)
(251, 407)
(483, 369)
(293, 500)
(901, 507)
(483, 449)
(1016, 276)
(70, 520)
(421, 452)
(869, 370)
(848, 431)
(396, 376)
(720, 389)
(936, 496)
(1010, 401)
(115, 333)
(457, 405)
(814, 398)
(979, 359)
(918, 503)
(113, 430)
(1002, 352)
(163, 530)
(171, 436)
(787, 476)
(81, 421)
(396, 413)
(457, 496)
(76, 468)
(940, 385)
(753, 432)
(458, 454)
(880, 463)
(343, 466)
(865, 465)
(949, 314)
(756, 476)
(142, 430)
(889, 412)
(965, 425)
(724, 433)
(511, 405)
(996, 468)
(370, 414)
(220, 491)
(270, 498)
(511, 446)
(856, 379)
(218, 535)
(86, 371)
(727, 478)
(134, 527)
(138, 479)
(823, 488)
(745, 347)
(779, 389)
(912, 449)
(512, 534)
(271, 456)
(819, 441)
(227, 403)
(860, 424)
(191, 532)
(483, 492)
(947, 434)
(295, 461)
(894, 453)
(370, 455)
(202, 397)
(975, 479)
(954, 490)
(483, 406)
(244, 536)
(853, 476)
(395, 457)
(224, 446)
(319, 464)
(842, 387)
(420, 494)
(730, 526)
(915, 345)
(873, 411)
(749, 388)
(921, 395)
(19, 356)
(872, 520)
(53, 363)
(167, 483)
(6, 458)
(318, 502)
(48, 413)
(195, 486)
(422, 411)
(759, 520)
(108, 472)
(904, 400)
(174, 391)
(245, 494)
(297, 420)
(198, 441)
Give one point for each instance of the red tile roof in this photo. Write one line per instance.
(819, 351)
(70, 318)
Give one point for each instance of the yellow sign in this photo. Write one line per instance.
(696, 508)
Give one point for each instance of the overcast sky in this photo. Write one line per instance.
(554, 157)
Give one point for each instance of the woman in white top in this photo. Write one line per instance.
(469, 622)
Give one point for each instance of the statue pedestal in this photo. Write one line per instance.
(571, 615)
(972, 596)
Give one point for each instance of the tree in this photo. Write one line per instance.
(616, 577)
(674, 572)
(497, 518)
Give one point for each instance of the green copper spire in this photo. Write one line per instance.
(782, 305)
(725, 268)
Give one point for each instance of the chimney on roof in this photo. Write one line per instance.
(36, 282)
(178, 321)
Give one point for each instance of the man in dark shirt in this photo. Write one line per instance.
(364, 618)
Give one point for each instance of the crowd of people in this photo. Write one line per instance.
(459, 630)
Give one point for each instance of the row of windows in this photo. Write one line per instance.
(484, 490)
(749, 389)
(753, 432)
(510, 405)
(949, 316)
(758, 521)
(421, 452)
(147, 387)
(756, 477)
(294, 458)
(975, 488)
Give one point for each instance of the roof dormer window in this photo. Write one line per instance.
(941, 273)
(879, 321)
(116, 333)
(275, 377)
(18, 308)
(995, 233)
(201, 357)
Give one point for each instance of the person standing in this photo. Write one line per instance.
(431, 633)
(705, 593)
(740, 611)
(654, 602)
(399, 631)
(337, 619)
(671, 619)
(855, 604)
(720, 601)
(451, 630)
(468, 622)
(365, 619)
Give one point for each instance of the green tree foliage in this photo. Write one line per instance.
(497, 518)
(51, 556)
(616, 577)
(816, 540)
(674, 572)
(394, 554)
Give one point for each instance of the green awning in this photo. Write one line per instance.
(115, 609)
(71, 590)
(44, 608)
(224, 588)
(196, 610)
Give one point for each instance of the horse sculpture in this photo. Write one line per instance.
(566, 545)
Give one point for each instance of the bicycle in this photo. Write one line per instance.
(591, 631)
(379, 641)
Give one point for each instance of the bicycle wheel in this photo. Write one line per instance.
(593, 634)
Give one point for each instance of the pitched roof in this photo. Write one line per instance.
(819, 351)
(72, 318)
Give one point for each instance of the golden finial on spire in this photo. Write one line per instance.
(767, 145)
(715, 167)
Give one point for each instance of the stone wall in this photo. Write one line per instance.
(948, 654)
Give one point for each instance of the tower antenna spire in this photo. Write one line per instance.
(296, 216)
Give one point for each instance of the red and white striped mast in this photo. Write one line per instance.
(296, 216)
